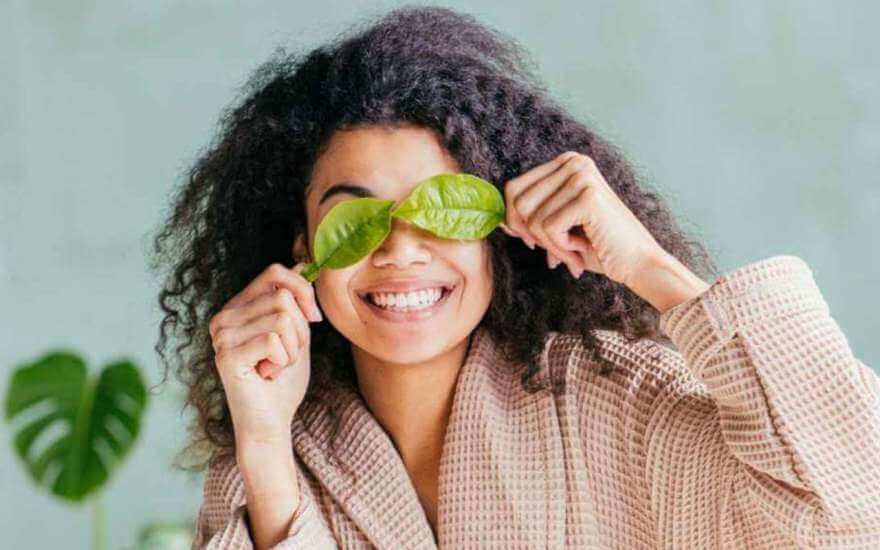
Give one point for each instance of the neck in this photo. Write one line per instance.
(412, 402)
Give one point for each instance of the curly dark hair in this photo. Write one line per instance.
(243, 201)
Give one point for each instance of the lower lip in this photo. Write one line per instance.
(410, 316)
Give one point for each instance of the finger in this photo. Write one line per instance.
(278, 276)
(517, 185)
(565, 254)
(306, 297)
(566, 193)
(528, 201)
(507, 230)
(289, 321)
(572, 260)
(532, 198)
(524, 180)
(519, 227)
(583, 247)
(558, 226)
(267, 369)
(243, 359)
(265, 304)
(554, 255)
(513, 233)
(590, 259)
(278, 300)
(303, 333)
(547, 195)
(282, 323)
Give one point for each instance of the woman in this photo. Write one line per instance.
(622, 402)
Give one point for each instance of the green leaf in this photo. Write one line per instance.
(348, 232)
(89, 423)
(454, 206)
(451, 206)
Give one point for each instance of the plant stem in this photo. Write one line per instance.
(98, 525)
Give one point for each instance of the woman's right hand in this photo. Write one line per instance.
(261, 340)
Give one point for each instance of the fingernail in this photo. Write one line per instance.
(530, 244)
(571, 270)
(316, 315)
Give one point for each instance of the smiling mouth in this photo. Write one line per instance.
(415, 311)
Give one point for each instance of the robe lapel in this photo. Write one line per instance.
(363, 471)
(501, 467)
(502, 471)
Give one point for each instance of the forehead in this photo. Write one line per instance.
(390, 160)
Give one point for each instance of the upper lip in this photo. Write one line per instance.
(405, 285)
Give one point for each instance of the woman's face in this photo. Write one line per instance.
(388, 163)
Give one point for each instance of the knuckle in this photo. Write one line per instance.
(276, 270)
(588, 192)
(271, 339)
(579, 161)
(283, 321)
(217, 322)
(221, 339)
(557, 229)
(577, 183)
(284, 297)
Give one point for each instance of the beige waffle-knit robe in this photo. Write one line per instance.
(759, 429)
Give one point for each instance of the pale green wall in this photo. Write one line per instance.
(760, 120)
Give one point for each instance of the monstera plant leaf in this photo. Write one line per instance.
(165, 536)
(74, 428)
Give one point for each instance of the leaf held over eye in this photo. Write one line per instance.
(454, 206)
(451, 206)
(350, 230)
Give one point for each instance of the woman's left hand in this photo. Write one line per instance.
(566, 206)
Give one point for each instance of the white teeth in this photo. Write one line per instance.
(412, 300)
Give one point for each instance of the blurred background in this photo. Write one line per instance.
(758, 120)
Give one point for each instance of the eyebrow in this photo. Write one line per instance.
(345, 187)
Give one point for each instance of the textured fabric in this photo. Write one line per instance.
(757, 429)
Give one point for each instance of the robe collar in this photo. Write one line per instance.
(365, 475)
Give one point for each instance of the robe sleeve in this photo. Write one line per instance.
(773, 417)
(223, 522)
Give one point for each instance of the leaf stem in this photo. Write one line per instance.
(310, 271)
(99, 531)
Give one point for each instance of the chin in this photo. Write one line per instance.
(410, 355)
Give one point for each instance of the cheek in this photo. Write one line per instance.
(331, 288)
(474, 260)
(488, 271)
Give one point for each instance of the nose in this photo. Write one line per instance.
(405, 245)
